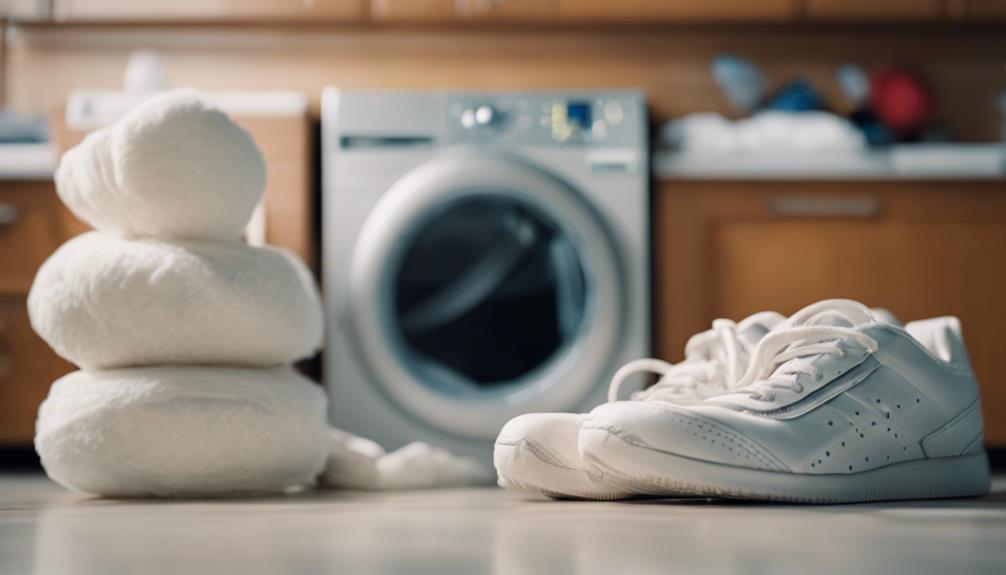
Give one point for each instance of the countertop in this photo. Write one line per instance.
(909, 162)
(27, 161)
(45, 530)
(953, 162)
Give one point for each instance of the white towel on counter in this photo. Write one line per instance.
(765, 132)
(174, 167)
(357, 463)
(104, 302)
(183, 431)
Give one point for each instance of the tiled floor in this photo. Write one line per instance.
(45, 530)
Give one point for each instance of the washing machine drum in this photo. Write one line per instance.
(483, 288)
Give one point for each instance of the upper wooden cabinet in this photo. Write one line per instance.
(920, 249)
(449, 10)
(862, 10)
(541, 11)
(669, 10)
(208, 10)
(985, 10)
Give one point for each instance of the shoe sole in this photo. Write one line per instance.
(532, 471)
(659, 473)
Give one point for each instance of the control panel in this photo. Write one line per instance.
(593, 119)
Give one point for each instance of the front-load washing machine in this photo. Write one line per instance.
(485, 254)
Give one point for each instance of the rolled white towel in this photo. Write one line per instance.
(103, 302)
(182, 431)
(172, 168)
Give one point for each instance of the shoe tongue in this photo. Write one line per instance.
(884, 315)
(752, 334)
(830, 317)
(835, 312)
(751, 330)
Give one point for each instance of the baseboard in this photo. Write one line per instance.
(997, 458)
(19, 459)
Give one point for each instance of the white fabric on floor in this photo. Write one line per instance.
(358, 463)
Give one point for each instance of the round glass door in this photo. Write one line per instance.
(483, 288)
(488, 292)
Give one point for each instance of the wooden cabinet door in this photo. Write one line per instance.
(918, 249)
(985, 10)
(208, 10)
(671, 10)
(33, 223)
(874, 9)
(27, 369)
(452, 10)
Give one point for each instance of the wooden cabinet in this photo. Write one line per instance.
(859, 10)
(451, 10)
(208, 10)
(285, 142)
(920, 249)
(27, 369)
(985, 10)
(33, 223)
(670, 10)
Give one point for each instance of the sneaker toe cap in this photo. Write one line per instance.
(681, 431)
(550, 436)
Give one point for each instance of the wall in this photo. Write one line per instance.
(965, 65)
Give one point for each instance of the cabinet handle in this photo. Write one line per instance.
(4, 359)
(470, 7)
(8, 214)
(831, 206)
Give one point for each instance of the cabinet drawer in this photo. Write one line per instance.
(33, 223)
(451, 10)
(678, 10)
(986, 10)
(27, 369)
(863, 10)
(919, 249)
(203, 10)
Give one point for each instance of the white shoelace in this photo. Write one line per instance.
(713, 357)
(782, 357)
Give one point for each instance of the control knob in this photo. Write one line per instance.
(480, 116)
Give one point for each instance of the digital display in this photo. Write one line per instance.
(578, 114)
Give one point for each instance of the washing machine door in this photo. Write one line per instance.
(481, 288)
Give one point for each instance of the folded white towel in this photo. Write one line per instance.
(104, 302)
(357, 463)
(171, 168)
(764, 132)
(182, 431)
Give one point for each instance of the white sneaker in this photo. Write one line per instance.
(835, 407)
(538, 453)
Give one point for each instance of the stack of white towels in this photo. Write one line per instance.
(184, 333)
